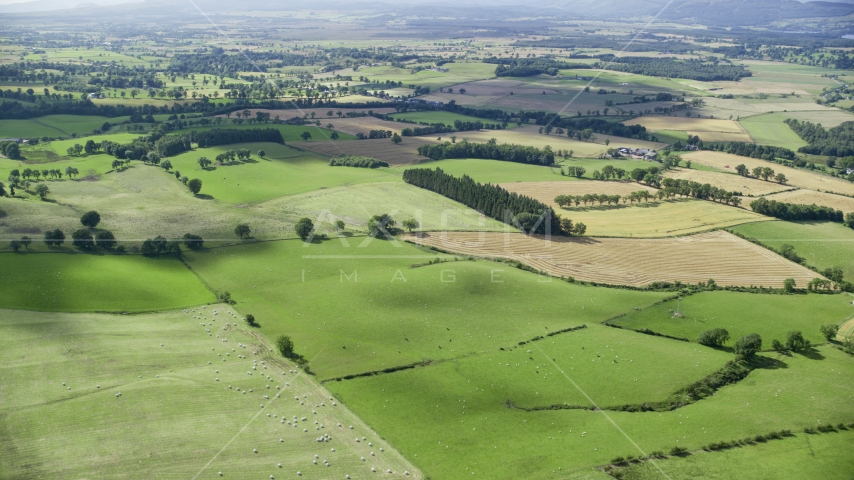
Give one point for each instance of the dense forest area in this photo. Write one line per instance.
(225, 136)
(572, 125)
(795, 211)
(490, 150)
(837, 141)
(673, 68)
(491, 200)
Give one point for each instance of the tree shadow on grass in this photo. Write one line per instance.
(812, 354)
(204, 196)
(767, 363)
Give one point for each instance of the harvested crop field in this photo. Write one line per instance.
(708, 129)
(547, 191)
(727, 181)
(363, 125)
(718, 255)
(530, 136)
(796, 177)
(381, 149)
(808, 197)
(653, 218)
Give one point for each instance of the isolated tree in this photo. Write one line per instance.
(285, 346)
(339, 225)
(380, 224)
(242, 230)
(305, 136)
(579, 229)
(82, 239)
(42, 190)
(828, 331)
(166, 165)
(410, 224)
(334, 136)
(396, 139)
(262, 153)
(715, 337)
(304, 227)
(90, 219)
(204, 162)
(789, 285)
(195, 186)
(106, 240)
(250, 319)
(747, 346)
(193, 242)
(26, 241)
(781, 179)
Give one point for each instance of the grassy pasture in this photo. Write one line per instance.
(355, 204)
(283, 171)
(769, 129)
(54, 126)
(796, 177)
(421, 413)
(85, 283)
(821, 244)
(717, 255)
(177, 377)
(291, 133)
(348, 308)
(805, 456)
(771, 316)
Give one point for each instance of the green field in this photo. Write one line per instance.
(771, 316)
(448, 118)
(769, 129)
(92, 283)
(368, 322)
(54, 126)
(821, 244)
(422, 414)
(187, 406)
(804, 456)
(283, 171)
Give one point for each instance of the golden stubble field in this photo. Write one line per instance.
(708, 129)
(796, 177)
(728, 181)
(809, 197)
(646, 219)
(717, 255)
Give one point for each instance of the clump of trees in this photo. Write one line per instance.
(193, 242)
(761, 172)
(160, 245)
(381, 224)
(669, 67)
(54, 238)
(747, 346)
(837, 141)
(795, 211)
(356, 161)
(715, 337)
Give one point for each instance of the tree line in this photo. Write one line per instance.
(795, 211)
(573, 127)
(493, 201)
(528, 67)
(837, 141)
(356, 161)
(489, 150)
(669, 67)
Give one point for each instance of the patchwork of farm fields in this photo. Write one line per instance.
(725, 258)
(728, 181)
(709, 130)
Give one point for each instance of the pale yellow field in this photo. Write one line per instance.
(710, 130)
(808, 197)
(547, 191)
(797, 178)
(728, 181)
(717, 255)
(530, 136)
